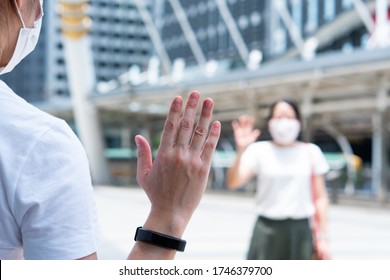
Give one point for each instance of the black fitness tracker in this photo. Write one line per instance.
(159, 239)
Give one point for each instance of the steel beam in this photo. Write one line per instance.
(379, 141)
(382, 25)
(343, 24)
(154, 35)
(347, 151)
(295, 33)
(233, 30)
(365, 15)
(188, 32)
(307, 111)
(379, 178)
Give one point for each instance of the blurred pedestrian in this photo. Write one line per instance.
(47, 209)
(284, 201)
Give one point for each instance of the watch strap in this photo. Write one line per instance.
(159, 239)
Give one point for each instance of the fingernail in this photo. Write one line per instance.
(177, 103)
(195, 95)
(208, 103)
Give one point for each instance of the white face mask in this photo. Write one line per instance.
(27, 41)
(284, 131)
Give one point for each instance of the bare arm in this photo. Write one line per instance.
(322, 205)
(237, 176)
(176, 180)
(244, 134)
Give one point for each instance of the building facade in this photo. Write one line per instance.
(260, 25)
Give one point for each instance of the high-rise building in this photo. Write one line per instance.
(259, 24)
(119, 40)
(210, 29)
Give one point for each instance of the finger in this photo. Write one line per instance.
(200, 132)
(256, 133)
(171, 126)
(251, 120)
(247, 121)
(144, 160)
(211, 143)
(187, 122)
(243, 119)
(235, 125)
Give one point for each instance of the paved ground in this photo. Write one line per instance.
(222, 225)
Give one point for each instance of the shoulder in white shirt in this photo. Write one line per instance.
(47, 209)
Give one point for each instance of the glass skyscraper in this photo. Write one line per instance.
(260, 26)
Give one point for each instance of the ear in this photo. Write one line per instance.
(20, 3)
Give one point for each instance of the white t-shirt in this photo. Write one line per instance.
(47, 209)
(283, 178)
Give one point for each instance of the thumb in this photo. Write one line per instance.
(256, 133)
(144, 161)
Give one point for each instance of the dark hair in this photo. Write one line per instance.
(290, 102)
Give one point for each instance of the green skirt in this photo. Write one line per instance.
(288, 239)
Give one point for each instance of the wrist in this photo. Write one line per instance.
(324, 239)
(240, 149)
(169, 224)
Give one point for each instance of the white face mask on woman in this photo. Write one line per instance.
(284, 131)
(27, 41)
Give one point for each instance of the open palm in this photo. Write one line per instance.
(244, 132)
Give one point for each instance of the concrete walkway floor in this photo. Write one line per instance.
(222, 226)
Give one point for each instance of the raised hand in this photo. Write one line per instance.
(244, 133)
(175, 181)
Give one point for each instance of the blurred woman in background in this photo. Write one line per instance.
(283, 167)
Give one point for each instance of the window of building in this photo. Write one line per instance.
(60, 92)
(181, 40)
(297, 13)
(312, 16)
(211, 32)
(280, 41)
(255, 18)
(202, 34)
(243, 22)
(59, 46)
(60, 77)
(60, 61)
(212, 5)
(364, 40)
(347, 4)
(202, 8)
(221, 28)
(329, 10)
(192, 11)
(347, 47)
